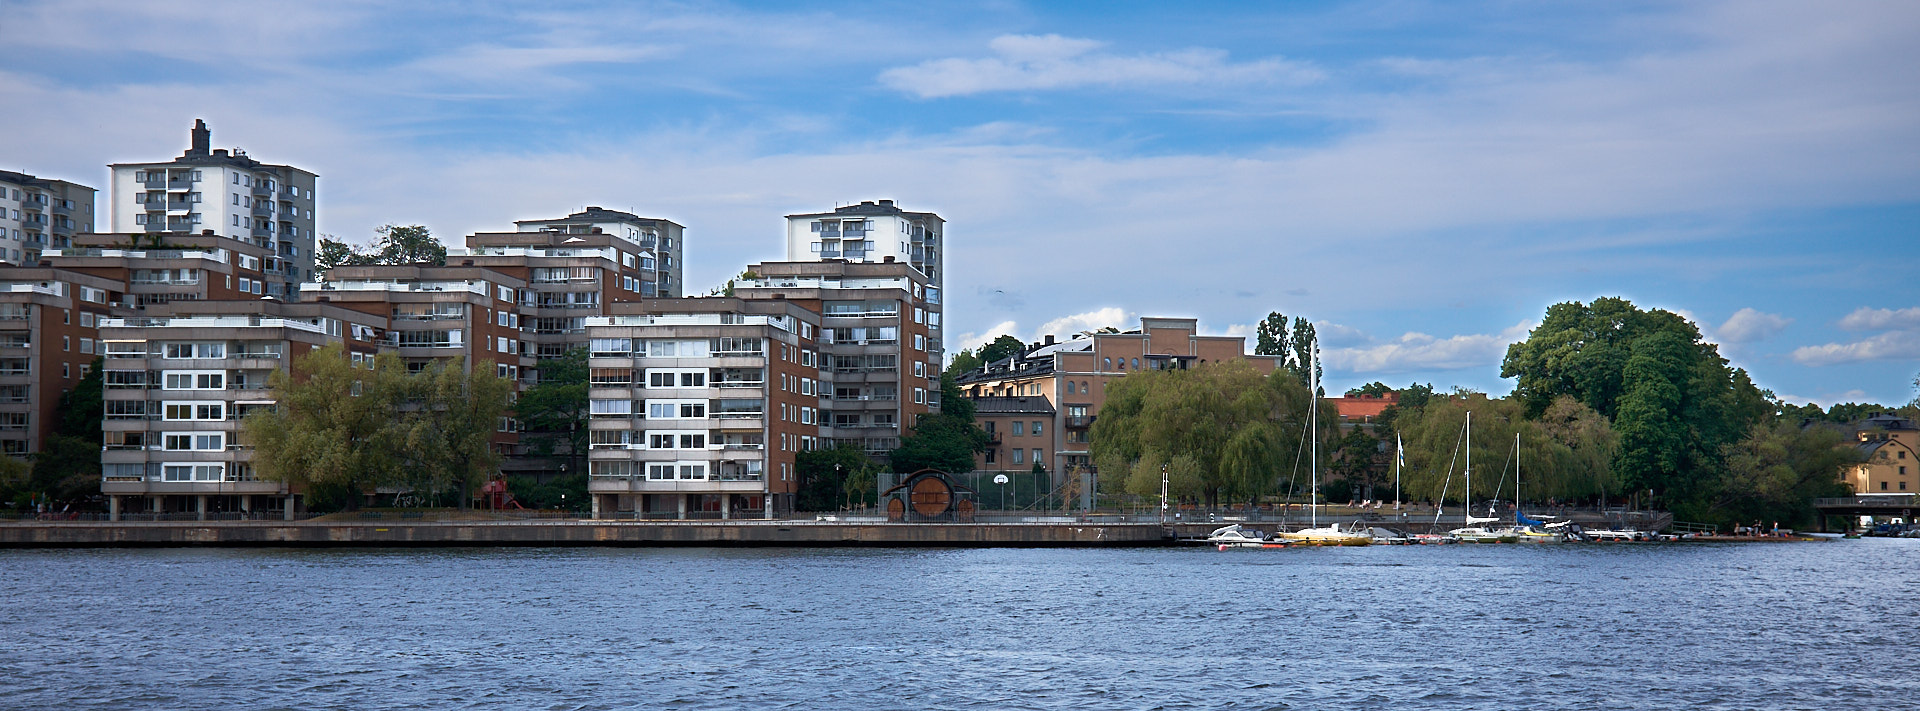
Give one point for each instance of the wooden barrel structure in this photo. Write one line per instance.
(929, 496)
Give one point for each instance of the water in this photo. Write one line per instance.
(1773, 626)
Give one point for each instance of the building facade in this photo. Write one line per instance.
(49, 337)
(652, 250)
(879, 344)
(229, 193)
(699, 406)
(37, 214)
(1073, 376)
(179, 380)
(1888, 442)
(872, 232)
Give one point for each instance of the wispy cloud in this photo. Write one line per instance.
(1891, 345)
(1037, 62)
(1414, 351)
(1749, 325)
(1872, 319)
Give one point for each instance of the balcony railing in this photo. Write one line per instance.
(739, 383)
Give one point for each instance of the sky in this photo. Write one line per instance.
(1422, 179)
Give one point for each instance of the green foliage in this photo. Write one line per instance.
(1373, 389)
(1566, 454)
(1222, 430)
(333, 253)
(727, 288)
(1841, 413)
(410, 244)
(946, 440)
(553, 413)
(1002, 347)
(831, 479)
(1306, 348)
(568, 493)
(1773, 474)
(339, 429)
(964, 362)
(1271, 337)
(67, 467)
(1357, 457)
(1673, 400)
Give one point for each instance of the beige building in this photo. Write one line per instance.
(1073, 376)
(1892, 466)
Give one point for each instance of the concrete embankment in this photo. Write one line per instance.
(572, 533)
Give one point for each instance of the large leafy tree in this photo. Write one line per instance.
(334, 253)
(1223, 431)
(408, 244)
(1271, 337)
(1566, 454)
(833, 478)
(964, 362)
(553, 413)
(1774, 474)
(1000, 348)
(329, 431)
(446, 424)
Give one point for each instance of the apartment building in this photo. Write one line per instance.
(1073, 377)
(1890, 446)
(163, 268)
(437, 313)
(178, 381)
(49, 338)
(1020, 433)
(699, 406)
(652, 250)
(871, 232)
(569, 278)
(230, 193)
(879, 343)
(37, 214)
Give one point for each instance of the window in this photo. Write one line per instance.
(990, 456)
(194, 380)
(193, 441)
(693, 441)
(1136, 364)
(693, 380)
(179, 351)
(660, 471)
(693, 471)
(660, 441)
(1108, 362)
(1019, 456)
(610, 408)
(1069, 387)
(1037, 427)
(1019, 428)
(195, 411)
(1036, 457)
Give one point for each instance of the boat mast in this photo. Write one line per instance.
(1516, 474)
(1467, 503)
(1313, 434)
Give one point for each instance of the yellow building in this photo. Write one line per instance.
(1891, 465)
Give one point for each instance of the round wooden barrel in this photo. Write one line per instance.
(931, 497)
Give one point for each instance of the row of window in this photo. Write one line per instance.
(660, 348)
(1018, 456)
(1019, 427)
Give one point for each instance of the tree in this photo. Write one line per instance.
(1774, 474)
(1306, 350)
(67, 468)
(447, 424)
(553, 413)
(329, 431)
(964, 362)
(946, 440)
(334, 253)
(1001, 348)
(834, 477)
(1223, 430)
(727, 288)
(410, 244)
(1271, 336)
(1373, 389)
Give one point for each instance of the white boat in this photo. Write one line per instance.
(1530, 530)
(1477, 530)
(1314, 534)
(1236, 536)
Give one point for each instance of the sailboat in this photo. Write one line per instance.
(1314, 534)
(1530, 530)
(1477, 530)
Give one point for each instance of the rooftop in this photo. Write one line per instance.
(869, 207)
(1032, 405)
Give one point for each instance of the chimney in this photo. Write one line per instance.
(1049, 339)
(202, 138)
(220, 152)
(886, 203)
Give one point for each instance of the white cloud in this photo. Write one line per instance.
(1892, 345)
(1749, 325)
(1824, 401)
(1872, 319)
(973, 341)
(1065, 327)
(1418, 351)
(1028, 62)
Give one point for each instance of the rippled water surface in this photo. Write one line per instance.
(1763, 626)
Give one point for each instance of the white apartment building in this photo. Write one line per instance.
(871, 232)
(37, 214)
(229, 193)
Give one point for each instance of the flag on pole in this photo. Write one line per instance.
(1399, 452)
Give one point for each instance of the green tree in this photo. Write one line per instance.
(330, 430)
(1305, 363)
(1774, 474)
(410, 244)
(1222, 430)
(828, 478)
(334, 253)
(946, 440)
(964, 362)
(553, 413)
(67, 468)
(1271, 337)
(447, 424)
(1373, 389)
(1357, 457)
(1000, 348)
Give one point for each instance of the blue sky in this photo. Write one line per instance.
(1423, 179)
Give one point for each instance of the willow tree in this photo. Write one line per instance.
(329, 428)
(1566, 454)
(1221, 430)
(445, 426)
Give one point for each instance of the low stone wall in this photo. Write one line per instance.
(573, 533)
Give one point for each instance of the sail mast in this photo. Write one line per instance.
(1313, 433)
(1467, 503)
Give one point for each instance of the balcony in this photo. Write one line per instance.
(1079, 422)
(261, 190)
(739, 383)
